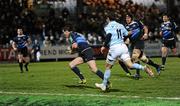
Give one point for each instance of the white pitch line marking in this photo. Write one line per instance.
(90, 95)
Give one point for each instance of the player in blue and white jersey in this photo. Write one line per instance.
(137, 37)
(85, 52)
(114, 39)
(20, 44)
(167, 32)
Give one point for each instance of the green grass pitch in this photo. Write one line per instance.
(54, 84)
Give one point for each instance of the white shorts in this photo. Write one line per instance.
(119, 51)
(38, 54)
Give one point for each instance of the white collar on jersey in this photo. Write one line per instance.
(166, 22)
(21, 35)
(132, 22)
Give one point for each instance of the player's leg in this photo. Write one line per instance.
(135, 59)
(127, 60)
(174, 50)
(38, 55)
(88, 56)
(124, 67)
(173, 47)
(111, 58)
(164, 51)
(20, 60)
(94, 69)
(137, 75)
(103, 86)
(73, 65)
(138, 66)
(35, 56)
(146, 60)
(26, 58)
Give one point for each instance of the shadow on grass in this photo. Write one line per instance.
(79, 86)
(85, 86)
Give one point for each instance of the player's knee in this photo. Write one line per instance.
(144, 59)
(20, 61)
(135, 57)
(130, 66)
(71, 65)
(94, 69)
(164, 53)
(163, 49)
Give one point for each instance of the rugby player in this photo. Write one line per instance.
(139, 34)
(167, 32)
(114, 39)
(85, 52)
(20, 44)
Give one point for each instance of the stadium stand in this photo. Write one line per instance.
(89, 20)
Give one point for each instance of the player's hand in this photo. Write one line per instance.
(32, 51)
(144, 37)
(74, 46)
(15, 49)
(130, 33)
(103, 49)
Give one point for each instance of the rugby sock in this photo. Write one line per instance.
(106, 76)
(100, 74)
(163, 60)
(77, 72)
(26, 66)
(137, 66)
(138, 70)
(124, 67)
(21, 66)
(150, 62)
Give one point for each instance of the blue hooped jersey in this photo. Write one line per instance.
(21, 41)
(168, 29)
(117, 31)
(137, 28)
(80, 40)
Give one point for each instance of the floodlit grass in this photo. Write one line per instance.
(53, 83)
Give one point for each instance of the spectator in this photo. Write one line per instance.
(36, 51)
(47, 42)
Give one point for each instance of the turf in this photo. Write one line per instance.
(53, 83)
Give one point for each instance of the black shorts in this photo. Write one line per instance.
(138, 45)
(87, 54)
(169, 43)
(23, 51)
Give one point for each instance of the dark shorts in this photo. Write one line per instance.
(23, 51)
(169, 43)
(138, 45)
(87, 54)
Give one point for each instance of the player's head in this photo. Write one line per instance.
(110, 17)
(67, 30)
(35, 41)
(165, 17)
(129, 18)
(19, 31)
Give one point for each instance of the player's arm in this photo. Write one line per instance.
(160, 33)
(106, 42)
(126, 35)
(145, 36)
(28, 42)
(174, 27)
(14, 46)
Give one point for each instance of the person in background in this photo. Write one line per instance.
(20, 44)
(36, 51)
